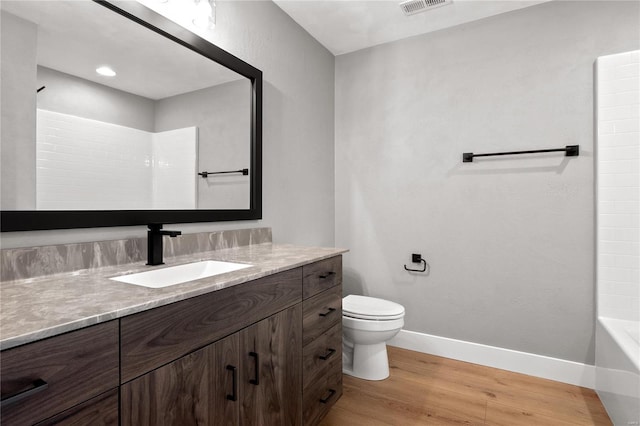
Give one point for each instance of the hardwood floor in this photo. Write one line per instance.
(429, 390)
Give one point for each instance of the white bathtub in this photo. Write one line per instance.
(618, 369)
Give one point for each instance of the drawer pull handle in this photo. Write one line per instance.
(256, 379)
(328, 355)
(234, 378)
(331, 393)
(329, 310)
(326, 275)
(38, 385)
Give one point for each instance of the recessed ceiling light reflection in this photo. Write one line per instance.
(106, 71)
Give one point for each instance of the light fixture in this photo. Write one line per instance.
(106, 71)
(204, 14)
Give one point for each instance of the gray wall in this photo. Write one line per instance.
(18, 129)
(510, 241)
(298, 133)
(72, 95)
(222, 115)
(298, 108)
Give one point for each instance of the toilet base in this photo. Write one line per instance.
(368, 362)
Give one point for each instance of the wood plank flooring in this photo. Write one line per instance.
(430, 390)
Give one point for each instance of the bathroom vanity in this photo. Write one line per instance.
(257, 346)
(261, 345)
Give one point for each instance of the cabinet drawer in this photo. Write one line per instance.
(322, 355)
(320, 276)
(75, 367)
(99, 411)
(156, 337)
(320, 313)
(318, 399)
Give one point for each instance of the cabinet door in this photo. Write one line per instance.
(197, 389)
(271, 370)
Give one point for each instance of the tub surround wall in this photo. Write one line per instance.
(32, 262)
(618, 185)
(85, 164)
(510, 240)
(618, 235)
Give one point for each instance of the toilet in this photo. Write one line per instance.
(367, 324)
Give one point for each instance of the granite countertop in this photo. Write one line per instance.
(35, 308)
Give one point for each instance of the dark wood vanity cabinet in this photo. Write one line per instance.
(230, 357)
(251, 378)
(322, 338)
(266, 352)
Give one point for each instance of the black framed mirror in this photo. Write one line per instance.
(156, 148)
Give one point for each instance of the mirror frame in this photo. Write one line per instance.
(31, 220)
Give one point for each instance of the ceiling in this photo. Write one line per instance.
(75, 37)
(344, 26)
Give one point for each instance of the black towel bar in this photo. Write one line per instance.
(569, 150)
(206, 174)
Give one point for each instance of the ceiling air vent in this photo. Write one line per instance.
(411, 7)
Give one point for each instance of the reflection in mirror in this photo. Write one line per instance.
(73, 139)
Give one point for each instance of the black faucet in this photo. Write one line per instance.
(154, 243)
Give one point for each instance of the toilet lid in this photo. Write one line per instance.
(365, 307)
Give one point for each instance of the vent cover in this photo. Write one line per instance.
(411, 7)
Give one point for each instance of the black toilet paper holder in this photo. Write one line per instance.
(417, 258)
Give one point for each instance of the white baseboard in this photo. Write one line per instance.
(546, 367)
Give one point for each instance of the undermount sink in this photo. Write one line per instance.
(165, 277)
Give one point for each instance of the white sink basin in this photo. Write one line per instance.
(165, 277)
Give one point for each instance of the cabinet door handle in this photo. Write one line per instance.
(256, 379)
(329, 310)
(38, 385)
(331, 393)
(326, 275)
(234, 378)
(328, 354)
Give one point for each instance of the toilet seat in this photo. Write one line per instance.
(372, 317)
(367, 325)
(371, 308)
